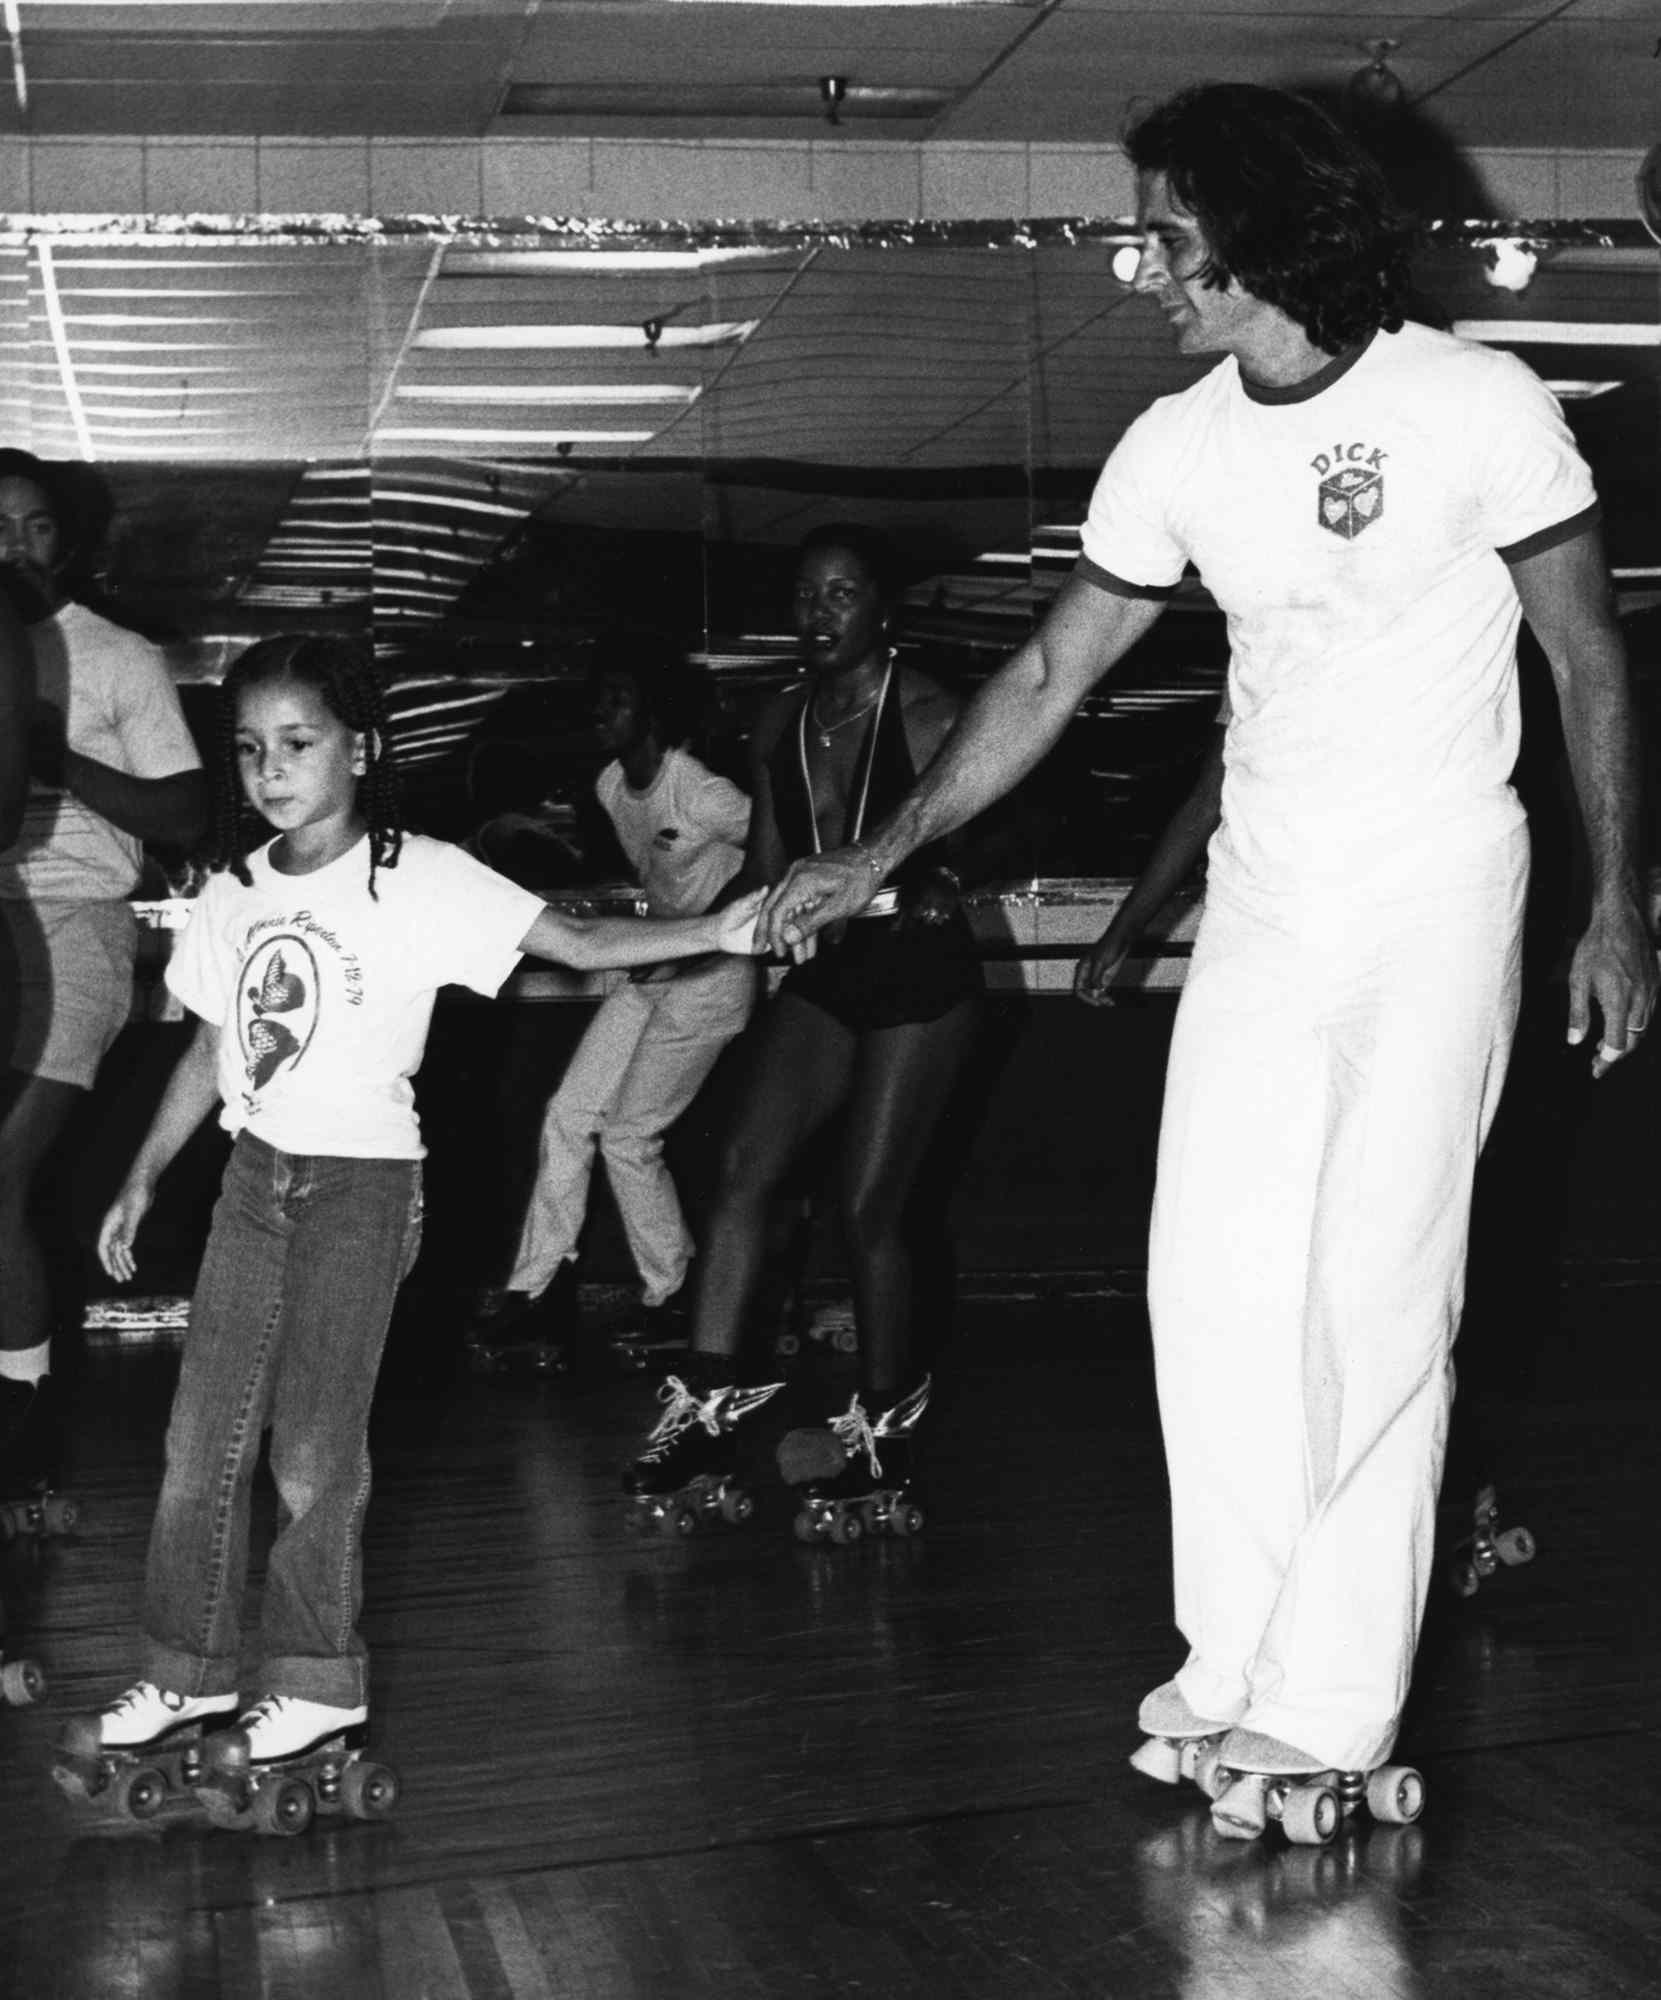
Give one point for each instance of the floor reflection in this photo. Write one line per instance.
(1258, 1918)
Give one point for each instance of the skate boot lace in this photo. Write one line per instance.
(141, 1696)
(266, 1709)
(682, 1408)
(854, 1434)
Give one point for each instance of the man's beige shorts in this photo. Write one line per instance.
(66, 986)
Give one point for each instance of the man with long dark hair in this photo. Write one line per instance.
(1374, 505)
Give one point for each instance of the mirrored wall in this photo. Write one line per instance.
(488, 455)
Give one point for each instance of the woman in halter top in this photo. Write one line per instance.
(875, 1027)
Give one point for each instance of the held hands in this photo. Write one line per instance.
(736, 925)
(1613, 966)
(827, 889)
(120, 1226)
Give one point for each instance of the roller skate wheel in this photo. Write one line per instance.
(845, 1529)
(1463, 1577)
(807, 1527)
(59, 1515)
(368, 1791)
(1239, 1810)
(676, 1523)
(1514, 1546)
(21, 1683)
(74, 1782)
(220, 1807)
(1211, 1774)
(285, 1806)
(906, 1519)
(788, 1344)
(1310, 1815)
(140, 1793)
(844, 1340)
(1395, 1795)
(736, 1506)
(1158, 1759)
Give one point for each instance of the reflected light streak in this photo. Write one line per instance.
(720, 333)
(469, 434)
(581, 395)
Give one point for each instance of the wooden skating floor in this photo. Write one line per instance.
(638, 1769)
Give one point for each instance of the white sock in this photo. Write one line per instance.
(26, 1364)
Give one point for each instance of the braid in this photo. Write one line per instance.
(351, 685)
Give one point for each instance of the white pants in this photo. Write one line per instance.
(636, 1069)
(1333, 1074)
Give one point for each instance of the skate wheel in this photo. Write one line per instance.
(21, 1683)
(676, 1523)
(788, 1344)
(846, 1529)
(368, 1791)
(736, 1506)
(140, 1794)
(845, 1340)
(75, 1781)
(1463, 1578)
(906, 1519)
(1210, 1773)
(1240, 1809)
(1159, 1759)
(59, 1515)
(1310, 1815)
(807, 1527)
(1395, 1795)
(285, 1807)
(1514, 1546)
(220, 1806)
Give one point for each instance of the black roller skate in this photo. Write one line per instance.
(144, 1754)
(854, 1474)
(31, 1449)
(687, 1473)
(290, 1761)
(518, 1332)
(1488, 1547)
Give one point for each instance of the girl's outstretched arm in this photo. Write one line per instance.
(192, 1092)
(605, 944)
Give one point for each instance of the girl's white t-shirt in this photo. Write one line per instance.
(323, 995)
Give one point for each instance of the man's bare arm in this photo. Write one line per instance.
(1565, 597)
(1013, 721)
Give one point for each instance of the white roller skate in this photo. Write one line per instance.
(1258, 1779)
(854, 1474)
(143, 1753)
(688, 1470)
(289, 1761)
(1178, 1743)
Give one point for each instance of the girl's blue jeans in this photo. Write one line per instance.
(287, 1324)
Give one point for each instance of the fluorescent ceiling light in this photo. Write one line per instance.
(524, 263)
(1572, 392)
(1560, 332)
(718, 99)
(718, 333)
(550, 393)
(462, 434)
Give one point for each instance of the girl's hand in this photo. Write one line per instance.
(120, 1226)
(736, 928)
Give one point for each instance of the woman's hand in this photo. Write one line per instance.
(1097, 969)
(120, 1226)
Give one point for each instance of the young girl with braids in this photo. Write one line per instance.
(313, 963)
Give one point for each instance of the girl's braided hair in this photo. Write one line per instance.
(352, 688)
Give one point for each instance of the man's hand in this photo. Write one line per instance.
(827, 889)
(1097, 969)
(120, 1226)
(1614, 966)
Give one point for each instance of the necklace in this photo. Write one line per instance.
(870, 758)
(826, 730)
